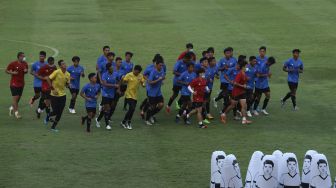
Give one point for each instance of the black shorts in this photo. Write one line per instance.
(46, 95)
(207, 95)
(305, 185)
(239, 97)
(197, 105)
(155, 100)
(292, 85)
(259, 91)
(185, 99)
(16, 91)
(106, 100)
(224, 86)
(37, 89)
(73, 90)
(117, 97)
(249, 93)
(91, 109)
(123, 87)
(176, 88)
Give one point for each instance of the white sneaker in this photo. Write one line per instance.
(129, 127)
(255, 112)
(239, 113)
(73, 111)
(40, 111)
(151, 120)
(264, 112)
(11, 110)
(70, 110)
(108, 127)
(97, 123)
(100, 107)
(296, 108)
(215, 103)
(282, 102)
(17, 115)
(249, 113)
(236, 118)
(123, 125)
(148, 123)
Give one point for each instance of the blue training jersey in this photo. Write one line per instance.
(232, 73)
(75, 73)
(102, 67)
(179, 67)
(36, 67)
(154, 90)
(91, 91)
(109, 92)
(227, 63)
(187, 78)
(295, 66)
(101, 59)
(262, 82)
(210, 73)
(251, 73)
(127, 66)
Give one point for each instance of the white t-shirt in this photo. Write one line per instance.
(289, 180)
(320, 182)
(217, 180)
(263, 182)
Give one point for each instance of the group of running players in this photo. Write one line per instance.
(242, 82)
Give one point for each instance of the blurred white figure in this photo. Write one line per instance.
(306, 169)
(267, 173)
(289, 169)
(320, 172)
(253, 169)
(217, 164)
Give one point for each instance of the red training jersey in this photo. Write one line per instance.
(45, 71)
(241, 79)
(199, 85)
(181, 56)
(17, 80)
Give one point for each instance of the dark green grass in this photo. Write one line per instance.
(166, 155)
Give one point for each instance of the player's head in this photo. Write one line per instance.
(201, 73)
(75, 60)
(189, 47)
(231, 51)
(296, 53)
(227, 52)
(268, 167)
(253, 60)
(212, 61)
(322, 166)
(156, 57)
(137, 69)
(118, 61)
(241, 57)
(109, 67)
(211, 51)
(270, 61)
(128, 56)
(92, 77)
(205, 53)
(262, 51)
(61, 64)
(106, 49)
(204, 62)
(236, 167)
(242, 64)
(307, 161)
(190, 67)
(291, 164)
(220, 161)
(51, 60)
(159, 63)
(110, 56)
(42, 56)
(187, 57)
(20, 56)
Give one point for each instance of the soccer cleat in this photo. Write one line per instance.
(255, 112)
(245, 122)
(46, 120)
(209, 116)
(282, 102)
(100, 107)
(38, 114)
(203, 126)
(123, 125)
(215, 103)
(264, 112)
(177, 105)
(73, 111)
(54, 130)
(168, 109)
(17, 115)
(236, 118)
(249, 114)
(31, 101)
(108, 127)
(177, 119)
(151, 119)
(154, 119)
(296, 108)
(206, 121)
(83, 121)
(97, 123)
(223, 118)
(148, 123)
(129, 126)
(11, 110)
(187, 122)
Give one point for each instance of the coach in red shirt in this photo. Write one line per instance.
(17, 69)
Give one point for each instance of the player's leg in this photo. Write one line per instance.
(107, 108)
(267, 94)
(183, 108)
(207, 104)
(287, 96)
(131, 108)
(37, 95)
(249, 101)
(176, 90)
(256, 101)
(200, 117)
(59, 110)
(74, 93)
(243, 105)
(233, 104)
(293, 89)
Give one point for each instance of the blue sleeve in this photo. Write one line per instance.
(301, 65)
(286, 63)
(182, 77)
(104, 77)
(164, 68)
(34, 67)
(176, 66)
(69, 69)
(151, 76)
(84, 89)
(82, 69)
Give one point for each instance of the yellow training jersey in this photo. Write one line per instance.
(59, 80)
(133, 83)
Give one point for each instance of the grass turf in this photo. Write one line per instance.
(166, 155)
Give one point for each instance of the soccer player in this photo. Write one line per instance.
(292, 178)
(224, 64)
(58, 80)
(198, 87)
(179, 67)
(76, 71)
(133, 79)
(262, 58)
(127, 67)
(262, 85)
(155, 98)
(251, 73)
(38, 82)
(102, 59)
(266, 180)
(185, 79)
(90, 93)
(102, 67)
(211, 72)
(189, 48)
(17, 69)
(43, 73)
(110, 84)
(238, 93)
(210, 52)
(294, 67)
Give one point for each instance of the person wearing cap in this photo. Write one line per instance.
(294, 67)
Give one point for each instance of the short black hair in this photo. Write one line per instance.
(118, 59)
(60, 62)
(211, 59)
(190, 45)
(75, 58)
(271, 60)
(91, 75)
(19, 54)
(203, 59)
(50, 59)
(156, 56)
(241, 57)
(211, 49)
(111, 54)
(105, 47)
(220, 157)
(188, 55)
(242, 63)
(269, 162)
(43, 53)
(108, 65)
(291, 159)
(322, 161)
(262, 48)
(204, 53)
(228, 49)
(234, 162)
(296, 50)
(251, 58)
(308, 157)
(190, 65)
(138, 68)
(129, 53)
(159, 59)
(200, 71)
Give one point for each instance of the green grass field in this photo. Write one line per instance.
(165, 155)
